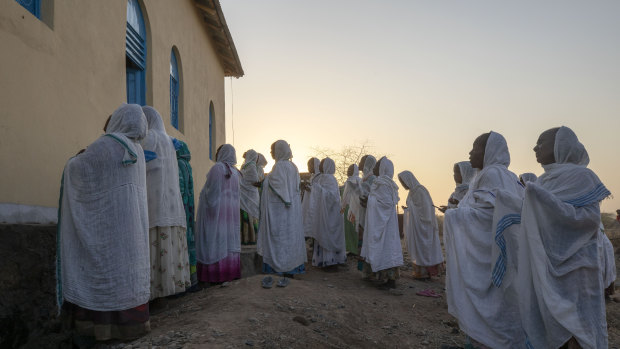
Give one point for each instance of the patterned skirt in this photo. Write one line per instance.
(105, 325)
(170, 270)
(226, 269)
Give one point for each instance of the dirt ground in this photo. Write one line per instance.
(317, 310)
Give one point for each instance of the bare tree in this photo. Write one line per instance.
(347, 155)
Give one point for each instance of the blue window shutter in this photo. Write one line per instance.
(174, 103)
(135, 49)
(174, 91)
(33, 6)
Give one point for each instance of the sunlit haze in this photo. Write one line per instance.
(420, 80)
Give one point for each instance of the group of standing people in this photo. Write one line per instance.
(519, 250)
(527, 260)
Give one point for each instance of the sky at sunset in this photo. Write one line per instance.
(420, 80)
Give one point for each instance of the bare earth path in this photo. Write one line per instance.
(317, 310)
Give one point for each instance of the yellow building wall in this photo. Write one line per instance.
(60, 77)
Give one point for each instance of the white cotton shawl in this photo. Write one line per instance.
(362, 190)
(309, 201)
(560, 282)
(261, 162)
(608, 260)
(104, 229)
(467, 173)
(348, 194)
(217, 234)
(420, 224)
(280, 235)
(162, 176)
(484, 312)
(249, 197)
(328, 227)
(381, 246)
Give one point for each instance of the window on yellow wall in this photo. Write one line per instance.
(174, 90)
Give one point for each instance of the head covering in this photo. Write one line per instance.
(356, 171)
(386, 168)
(467, 172)
(128, 120)
(496, 151)
(162, 175)
(261, 161)
(329, 166)
(182, 150)
(227, 155)
(369, 164)
(528, 177)
(248, 193)
(282, 151)
(250, 156)
(568, 149)
(409, 180)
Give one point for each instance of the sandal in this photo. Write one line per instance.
(267, 282)
(283, 282)
(428, 293)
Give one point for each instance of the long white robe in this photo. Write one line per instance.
(420, 224)
(560, 282)
(162, 176)
(381, 246)
(309, 202)
(362, 190)
(348, 194)
(467, 174)
(328, 227)
(249, 198)
(103, 227)
(281, 235)
(218, 224)
(484, 312)
(608, 260)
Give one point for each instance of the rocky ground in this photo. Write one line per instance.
(317, 310)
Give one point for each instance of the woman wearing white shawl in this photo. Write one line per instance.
(608, 262)
(463, 174)
(249, 198)
(329, 244)
(484, 312)
(382, 249)
(560, 283)
(348, 194)
(261, 162)
(309, 201)
(103, 266)
(281, 236)
(420, 228)
(360, 193)
(218, 244)
(170, 270)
